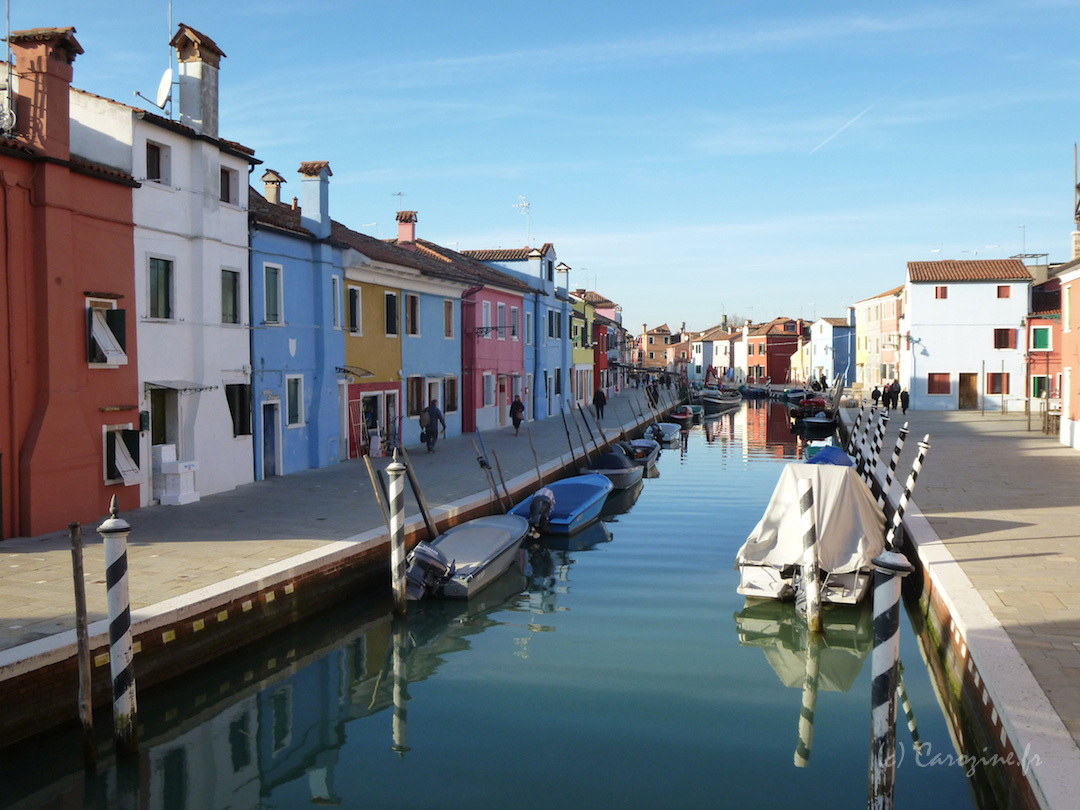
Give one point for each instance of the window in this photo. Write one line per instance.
(121, 454)
(157, 163)
(272, 294)
(229, 186)
(1004, 338)
(941, 292)
(485, 321)
(448, 318)
(414, 395)
(501, 320)
(241, 742)
(938, 384)
(391, 314)
(106, 333)
(550, 270)
(1066, 307)
(489, 390)
(412, 314)
(238, 396)
(230, 296)
(652, 355)
(650, 340)
(528, 329)
(1004, 291)
(558, 381)
(355, 323)
(449, 394)
(294, 400)
(997, 383)
(335, 298)
(161, 288)
(1040, 338)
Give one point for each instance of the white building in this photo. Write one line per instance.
(191, 282)
(962, 334)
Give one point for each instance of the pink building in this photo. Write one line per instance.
(492, 356)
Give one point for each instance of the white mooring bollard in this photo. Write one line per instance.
(396, 473)
(890, 567)
(114, 531)
(809, 582)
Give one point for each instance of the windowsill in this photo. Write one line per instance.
(152, 319)
(272, 323)
(297, 425)
(354, 333)
(164, 185)
(106, 365)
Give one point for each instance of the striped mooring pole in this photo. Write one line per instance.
(890, 567)
(891, 540)
(852, 436)
(860, 441)
(401, 690)
(114, 531)
(890, 473)
(809, 583)
(905, 704)
(809, 701)
(396, 472)
(875, 450)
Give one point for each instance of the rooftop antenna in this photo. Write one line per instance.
(1076, 192)
(399, 195)
(163, 98)
(7, 111)
(524, 206)
(374, 225)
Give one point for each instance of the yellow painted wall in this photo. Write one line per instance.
(371, 348)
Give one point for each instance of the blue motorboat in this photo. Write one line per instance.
(578, 501)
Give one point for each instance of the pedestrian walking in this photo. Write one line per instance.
(430, 433)
(517, 413)
(905, 400)
(875, 395)
(599, 400)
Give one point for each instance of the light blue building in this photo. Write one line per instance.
(297, 345)
(832, 349)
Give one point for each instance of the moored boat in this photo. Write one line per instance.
(718, 400)
(462, 561)
(641, 451)
(683, 414)
(617, 467)
(664, 432)
(578, 501)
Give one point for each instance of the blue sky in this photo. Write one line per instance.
(687, 160)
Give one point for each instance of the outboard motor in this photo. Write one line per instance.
(428, 569)
(543, 501)
(655, 433)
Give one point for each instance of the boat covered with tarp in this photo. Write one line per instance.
(850, 529)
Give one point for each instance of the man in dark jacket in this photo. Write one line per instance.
(434, 419)
(599, 400)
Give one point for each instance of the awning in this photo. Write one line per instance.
(183, 386)
(356, 371)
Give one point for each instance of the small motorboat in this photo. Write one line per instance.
(641, 451)
(577, 502)
(720, 400)
(697, 411)
(463, 560)
(664, 432)
(850, 527)
(684, 414)
(618, 467)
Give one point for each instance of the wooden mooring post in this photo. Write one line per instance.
(82, 636)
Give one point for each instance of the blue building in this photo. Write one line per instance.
(832, 349)
(297, 344)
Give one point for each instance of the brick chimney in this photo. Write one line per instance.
(43, 60)
(315, 197)
(199, 58)
(406, 229)
(272, 182)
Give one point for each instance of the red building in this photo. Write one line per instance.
(69, 419)
(770, 346)
(1044, 340)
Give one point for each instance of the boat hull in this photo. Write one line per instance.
(578, 501)
(767, 582)
(480, 550)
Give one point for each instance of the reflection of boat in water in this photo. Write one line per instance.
(591, 535)
(619, 503)
(777, 629)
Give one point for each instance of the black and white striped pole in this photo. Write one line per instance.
(853, 435)
(890, 567)
(114, 531)
(809, 582)
(861, 441)
(809, 701)
(890, 473)
(401, 684)
(875, 449)
(905, 704)
(891, 540)
(396, 473)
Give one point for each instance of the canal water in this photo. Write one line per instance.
(620, 670)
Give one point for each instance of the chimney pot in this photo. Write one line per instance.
(406, 229)
(198, 59)
(315, 190)
(294, 201)
(272, 182)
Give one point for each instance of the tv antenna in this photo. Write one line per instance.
(7, 111)
(399, 195)
(524, 206)
(164, 91)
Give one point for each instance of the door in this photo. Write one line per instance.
(969, 391)
(269, 439)
(527, 397)
(391, 424)
(343, 419)
(501, 387)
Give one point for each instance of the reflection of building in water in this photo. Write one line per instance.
(768, 426)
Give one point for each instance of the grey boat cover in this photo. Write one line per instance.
(850, 525)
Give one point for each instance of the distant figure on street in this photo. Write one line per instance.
(434, 419)
(599, 400)
(824, 383)
(886, 397)
(517, 413)
(894, 393)
(875, 395)
(905, 400)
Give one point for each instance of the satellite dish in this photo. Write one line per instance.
(164, 91)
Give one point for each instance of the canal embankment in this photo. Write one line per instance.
(210, 576)
(995, 533)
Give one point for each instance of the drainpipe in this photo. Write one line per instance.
(13, 414)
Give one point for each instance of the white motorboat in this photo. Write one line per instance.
(850, 528)
(717, 400)
(619, 469)
(460, 562)
(664, 432)
(641, 451)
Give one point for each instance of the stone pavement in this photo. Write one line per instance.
(1005, 501)
(176, 550)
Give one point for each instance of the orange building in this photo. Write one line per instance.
(69, 418)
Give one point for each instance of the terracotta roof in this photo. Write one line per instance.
(506, 254)
(836, 321)
(186, 32)
(1046, 298)
(281, 216)
(313, 168)
(776, 326)
(594, 298)
(662, 328)
(970, 270)
(65, 35)
(406, 216)
(480, 272)
(893, 291)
